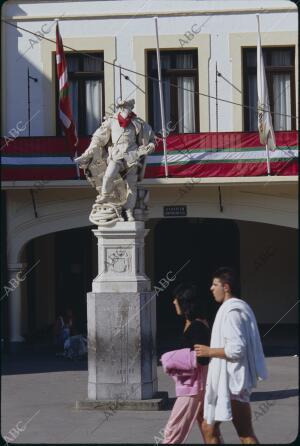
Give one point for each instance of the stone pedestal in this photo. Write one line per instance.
(121, 333)
(121, 324)
(121, 258)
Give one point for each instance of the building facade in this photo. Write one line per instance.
(240, 217)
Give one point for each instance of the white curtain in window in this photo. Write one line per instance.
(252, 102)
(94, 112)
(186, 99)
(72, 62)
(282, 102)
(93, 94)
(156, 104)
(74, 100)
(165, 63)
(282, 91)
(73, 65)
(186, 105)
(184, 61)
(93, 63)
(281, 57)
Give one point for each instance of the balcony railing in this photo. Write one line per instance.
(222, 154)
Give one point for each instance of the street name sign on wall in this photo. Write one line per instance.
(175, 211)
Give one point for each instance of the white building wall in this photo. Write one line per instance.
(61, 209)
(39, 16)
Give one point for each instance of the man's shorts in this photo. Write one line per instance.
(243, 397)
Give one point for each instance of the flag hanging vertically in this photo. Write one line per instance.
(65, 110)
(161, 99)
(265, 126)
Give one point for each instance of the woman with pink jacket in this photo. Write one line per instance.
(188, 371)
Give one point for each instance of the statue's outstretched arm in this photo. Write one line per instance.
(146, 140)
(99, 139)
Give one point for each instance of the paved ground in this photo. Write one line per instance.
(40, 390)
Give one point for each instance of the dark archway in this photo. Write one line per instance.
(74, 268)
(205, 244)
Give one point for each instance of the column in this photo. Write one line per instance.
(14, 296)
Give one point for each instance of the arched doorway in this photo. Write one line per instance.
(67, 266)
(76, 267)
(202, 245)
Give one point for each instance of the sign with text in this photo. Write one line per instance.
(175, 211)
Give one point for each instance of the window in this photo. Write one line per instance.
(280, 74)
(179, 69)
(86, 79)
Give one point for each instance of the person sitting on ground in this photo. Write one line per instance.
(64, 328)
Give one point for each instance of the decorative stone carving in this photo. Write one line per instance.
(121, 258)
(119, 261)
(114, 163)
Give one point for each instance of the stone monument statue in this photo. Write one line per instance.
(114, 162)
(121, 306)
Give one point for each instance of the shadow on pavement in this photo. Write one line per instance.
(32, 360)
(274, 395)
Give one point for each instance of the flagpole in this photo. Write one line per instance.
(268, 161)
(162, 110)
(217, 104)
(120, 80)
(259, 83)
(77, 166)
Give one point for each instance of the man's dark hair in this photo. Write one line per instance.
(190, 301)
(228, 275)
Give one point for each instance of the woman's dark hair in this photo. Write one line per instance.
(190, 302)
(228, 275)
(179, 289)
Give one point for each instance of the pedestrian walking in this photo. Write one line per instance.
(188, 372)
(237, 362)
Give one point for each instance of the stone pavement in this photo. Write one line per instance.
(39, 393)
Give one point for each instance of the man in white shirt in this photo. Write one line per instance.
(237, 361)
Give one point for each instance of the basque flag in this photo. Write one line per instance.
(65, 110)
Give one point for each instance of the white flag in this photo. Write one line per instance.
(265, 126)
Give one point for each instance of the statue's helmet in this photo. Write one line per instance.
(123, 103)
